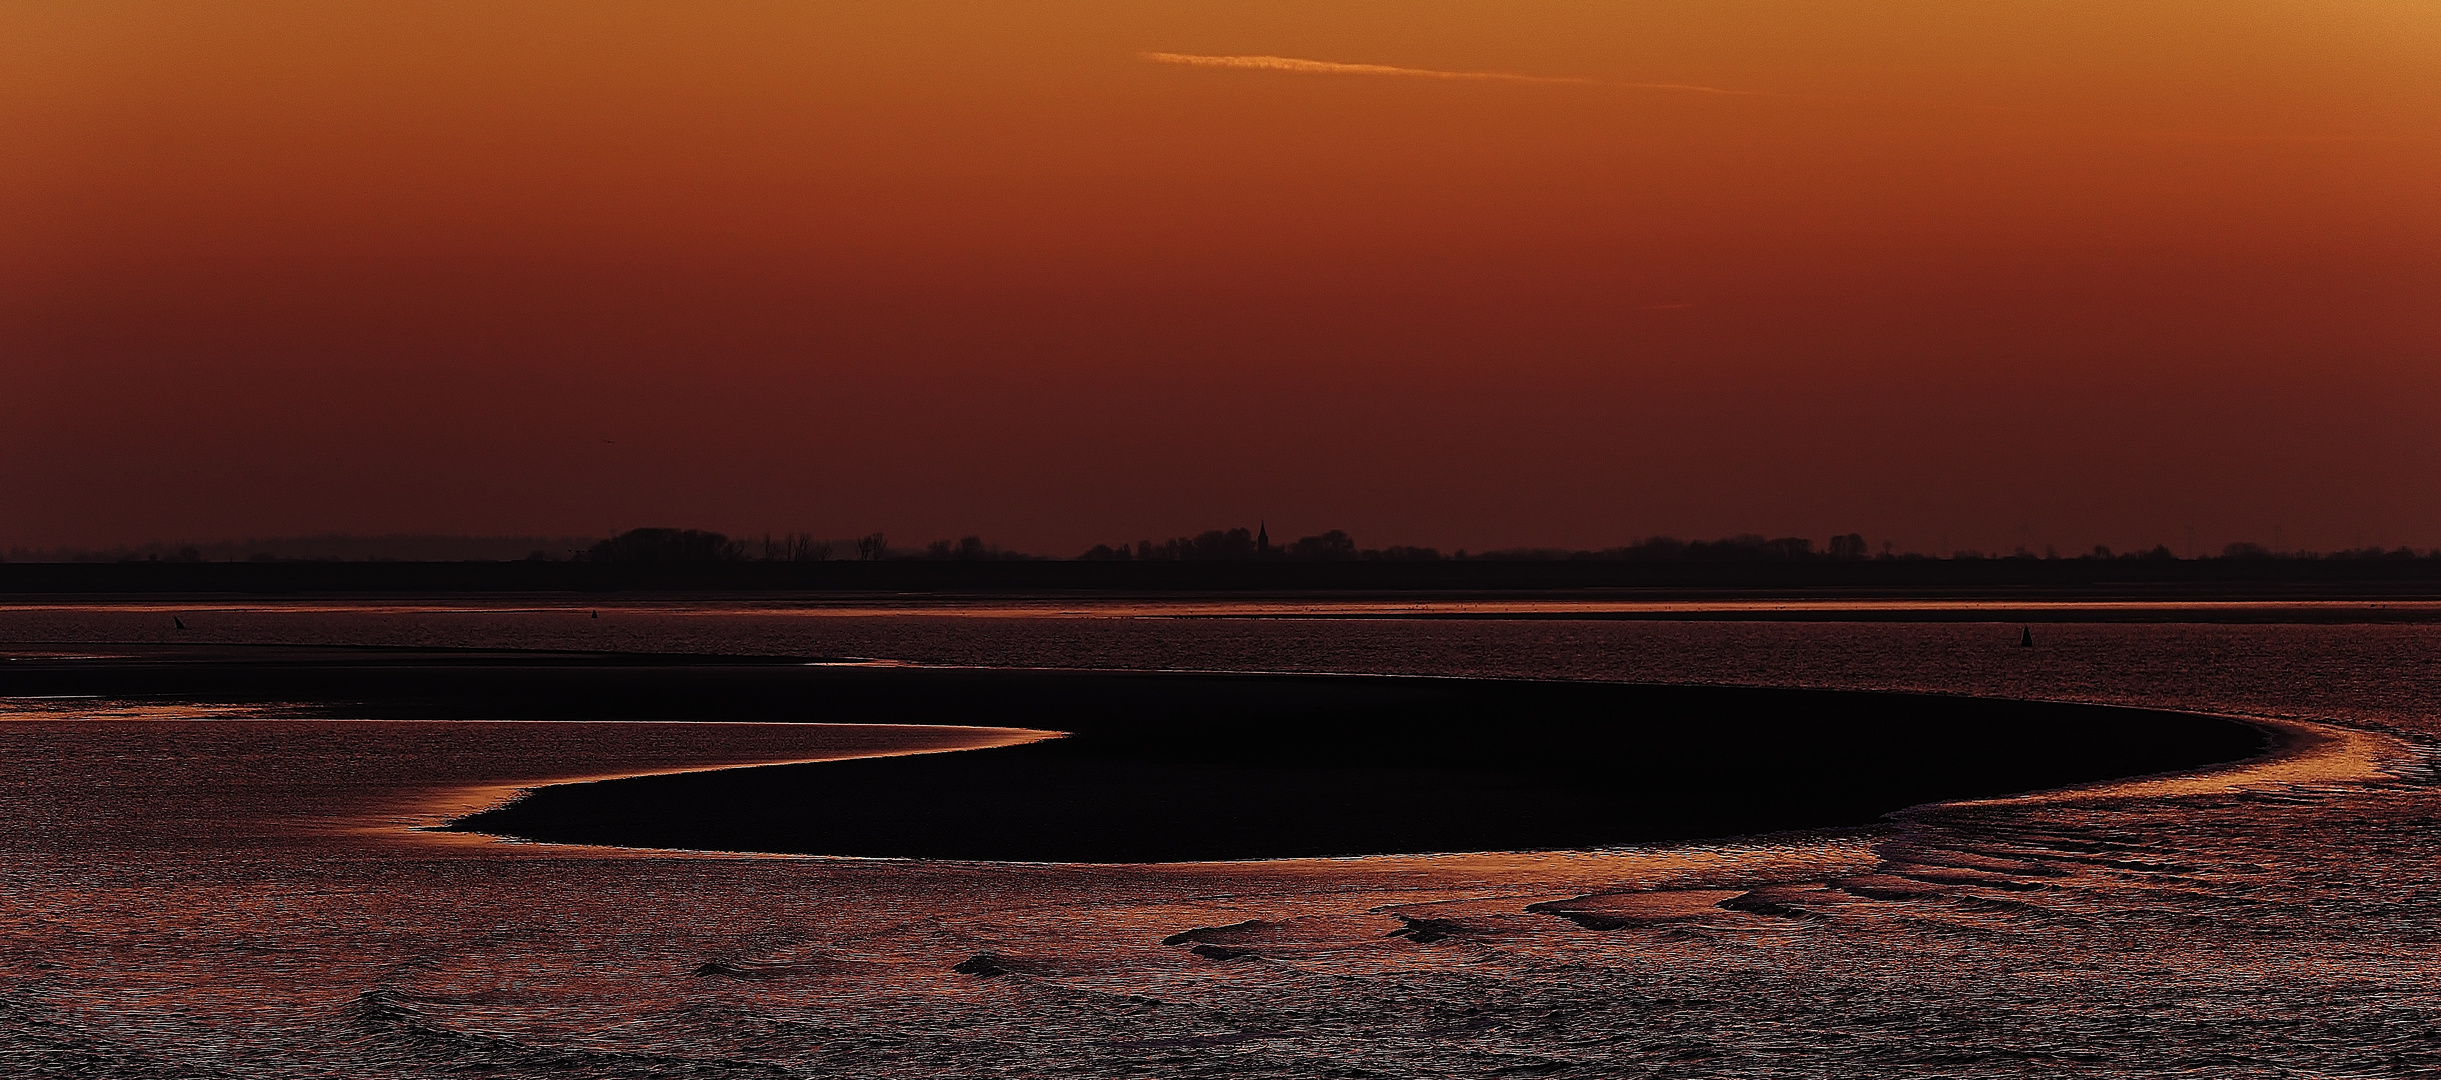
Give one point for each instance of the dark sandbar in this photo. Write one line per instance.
(1173, 766)
(1194, 767)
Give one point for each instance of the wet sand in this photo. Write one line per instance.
(1161, 767)
(196, 897)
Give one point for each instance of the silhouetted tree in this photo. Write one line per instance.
(970, 548)
(1218, 544)
(2376, 552)
(796, 547)
(666, 546)
(1209, 546)
(872, 548)
(1848, 546)
(1332, 545)
(1654, 548)
(965, 547)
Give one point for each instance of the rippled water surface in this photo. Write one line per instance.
(206, 892)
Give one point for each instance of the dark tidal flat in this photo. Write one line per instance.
(1162, 767)
(216, 870)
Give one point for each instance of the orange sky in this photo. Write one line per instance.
(1947, 274)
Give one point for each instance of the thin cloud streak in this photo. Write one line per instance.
(1327, 67)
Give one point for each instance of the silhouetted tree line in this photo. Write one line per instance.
(1744, 547)
(667, 546)
(2244, 550)
(1336, 545)
(1217, 545)
(1244, 544)
(320, 548)
(703, 546)
(796, 547)
(969, 547)
(1211, 546)
(657, 545)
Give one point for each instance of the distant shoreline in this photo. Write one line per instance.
(2011, 609)
(2047, 580)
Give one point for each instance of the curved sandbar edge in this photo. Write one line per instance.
(1175, 767)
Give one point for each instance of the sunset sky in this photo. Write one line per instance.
(1061, 273)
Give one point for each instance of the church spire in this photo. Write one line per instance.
(1262, 539)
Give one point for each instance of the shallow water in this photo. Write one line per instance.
(238, 894)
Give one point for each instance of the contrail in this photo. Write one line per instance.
(1326, 67)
